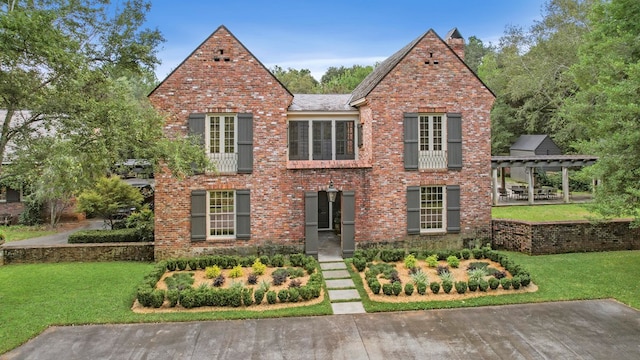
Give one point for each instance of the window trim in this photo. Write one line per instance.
(226, 162)
(310, 139)
(443, 228)
(437, 158)
(209, 214)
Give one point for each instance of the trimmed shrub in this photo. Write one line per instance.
(236, 272)
(466, 254)
(410, 261)
(391, 255)
(447, 285)
(211, 272)
(493, 283)
(258, 267)
(435, 287)
(171, 265)
(505, 283)
(188, 298)
(247, 261)
(297, 259)
(247, 296)
(294, 294)
(473, 284)
(193, 264)
(432, 260)
(258, 296)
(265, 259)
(173, 296)
(277, 260)
(461, 287)
(483, 285)
(453, 261)
(360, 263)
(387, 289)
(422, 288)
(371, 254)
(525, 279)
(271, 297)
(375, 286)
(515, 282)
(181, 264)
(477, 253)
(305, 293)
(104, 236)
(408, 289)
(396, 287)
(283, 295)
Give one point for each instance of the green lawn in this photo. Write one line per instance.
(21, 232)
(36, 296)
(542, 213)
(559, 277)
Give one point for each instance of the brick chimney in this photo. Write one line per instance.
(455, 42)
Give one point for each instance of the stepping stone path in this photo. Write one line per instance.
(342, 291)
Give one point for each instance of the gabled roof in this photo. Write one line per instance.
(529, 142)
(321, 102)
(221, 27)
(379, 73)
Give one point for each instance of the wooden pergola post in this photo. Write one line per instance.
(565, 184)
(494, 186)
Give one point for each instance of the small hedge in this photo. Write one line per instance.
(105, 236)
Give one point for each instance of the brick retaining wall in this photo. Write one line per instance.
(76, 253)
(564, 237)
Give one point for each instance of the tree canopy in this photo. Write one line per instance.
(336, 80)
(73, 80)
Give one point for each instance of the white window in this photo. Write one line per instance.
(322, 140)
(222, 213)
(432, 142)
(432, 209)
(221, 138)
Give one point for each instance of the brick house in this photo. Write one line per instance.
(408, 152)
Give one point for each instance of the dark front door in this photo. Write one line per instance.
(328, 212)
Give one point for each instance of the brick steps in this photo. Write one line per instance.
(342, 291)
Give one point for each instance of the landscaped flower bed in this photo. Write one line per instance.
(390, 275)
(218, 282)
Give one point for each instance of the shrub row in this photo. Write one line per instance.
(232, 261)
(393, 255)
(105, 236)
(234, 296)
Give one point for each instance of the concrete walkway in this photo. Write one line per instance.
(56, 239)
(599, 329)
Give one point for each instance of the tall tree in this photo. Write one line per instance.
(343, 80)
(607, 105)
(297, 81)
(474, 52)
(528, 72)
(71, 78)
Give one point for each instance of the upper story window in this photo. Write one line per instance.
(221, 140)
(432, 143)
(322, 140)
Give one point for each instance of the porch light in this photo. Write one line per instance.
(331, 192)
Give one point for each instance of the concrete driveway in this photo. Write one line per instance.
(599, 329)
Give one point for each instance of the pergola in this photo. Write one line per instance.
(537, 161)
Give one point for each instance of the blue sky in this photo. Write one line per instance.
(315, 35)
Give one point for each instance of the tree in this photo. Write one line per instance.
(297, 81)
(108, 198)
(343, 80)
(73, 76)
(474, 51)
(607, 105)
(529, 73)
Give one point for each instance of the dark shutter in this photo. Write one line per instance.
(454, 140)
(311, 223)
(243, 214)
(413, 210)
(198, 215)
(453, 208)
(197, 126)
(411, 141)
(13, 195)
(360, 136)
(348, 218)
(245, 143)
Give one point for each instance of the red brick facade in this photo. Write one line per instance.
(222, 76)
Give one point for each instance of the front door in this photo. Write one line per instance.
(328, 212)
